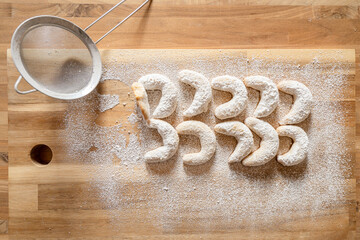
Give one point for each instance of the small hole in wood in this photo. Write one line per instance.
(41, 154)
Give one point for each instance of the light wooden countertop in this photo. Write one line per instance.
(195, 24)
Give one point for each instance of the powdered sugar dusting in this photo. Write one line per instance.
(216, 193)
(107, 101)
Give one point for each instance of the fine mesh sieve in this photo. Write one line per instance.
(58, 58)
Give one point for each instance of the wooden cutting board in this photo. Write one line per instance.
(47, 201)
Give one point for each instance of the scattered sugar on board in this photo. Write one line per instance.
(107, 101)
(217, 194)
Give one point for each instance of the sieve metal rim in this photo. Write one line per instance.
(46, 20)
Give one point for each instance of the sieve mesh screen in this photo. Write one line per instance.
(56, 58)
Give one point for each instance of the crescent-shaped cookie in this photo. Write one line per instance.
(169, 93)
(301, 108)
(243, 135)
(142, 100)
(238, 90)
(269, 144)
(203, 92)
(170, 142)
(207, 141)
(269, 95)
(299, 148)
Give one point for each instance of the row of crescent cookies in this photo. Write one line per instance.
(269, 99)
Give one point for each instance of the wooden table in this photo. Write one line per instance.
(193, 24)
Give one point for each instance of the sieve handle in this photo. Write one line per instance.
(19, 91)
(121, 22)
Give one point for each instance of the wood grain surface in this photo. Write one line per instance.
(54, 200)
(196, 24)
